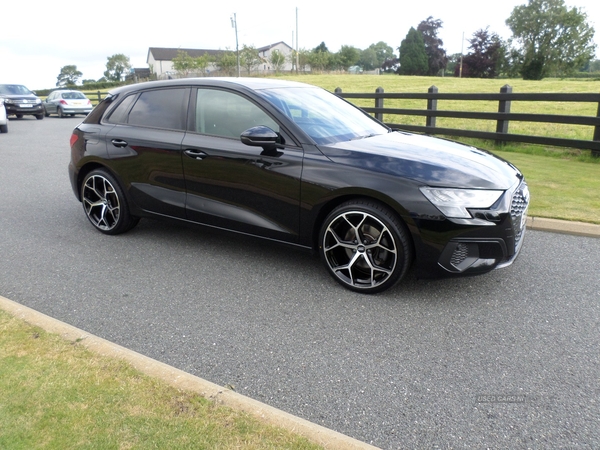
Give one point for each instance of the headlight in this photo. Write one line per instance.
(38, 101)
(8, 101)
(454, 202)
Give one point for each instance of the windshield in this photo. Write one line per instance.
(325, 117)
(14, 89)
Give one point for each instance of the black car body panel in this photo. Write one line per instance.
(190, 169)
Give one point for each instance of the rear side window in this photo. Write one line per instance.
(161, 108)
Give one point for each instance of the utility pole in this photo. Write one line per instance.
(462, 43)
(237, 48)
(297, 66)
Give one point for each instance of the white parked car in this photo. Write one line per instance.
(3, 119)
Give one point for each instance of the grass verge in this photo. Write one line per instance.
(58, 395)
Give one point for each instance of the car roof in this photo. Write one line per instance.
(249, 83)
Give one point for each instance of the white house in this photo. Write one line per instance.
(160, 59)
(265, 55)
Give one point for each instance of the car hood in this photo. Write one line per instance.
(19, 96)
(426, 160)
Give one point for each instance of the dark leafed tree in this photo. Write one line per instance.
(485, 56)
(436, 55)
(413, 58)
(68, 76)
(552, 39)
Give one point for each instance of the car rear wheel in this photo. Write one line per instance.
(60, 112)
(104, 203)
(364, 246)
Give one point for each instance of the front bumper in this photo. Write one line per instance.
(478, 246)
(24, 109)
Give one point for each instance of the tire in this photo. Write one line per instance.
(60, 112)
(19, 116)
(3, 128)
(46, 113)
(104, 203)
(364, 246)
(39, 116)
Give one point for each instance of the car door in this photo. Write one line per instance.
(144, 146)
(231, 185)
(50, 103)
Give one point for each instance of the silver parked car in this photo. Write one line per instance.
(67, 103)
(3, 119)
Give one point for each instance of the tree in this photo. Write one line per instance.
(303, 59)
(321, 58)
(368, 59)
(485, 57)
(227, 62)
(68, 76)
(184, 64)
(383, 52)
(413, 58)
(116, 67)
(552, 39)
(249, 58)
(277, 60)
(436, 55)
(347, 56)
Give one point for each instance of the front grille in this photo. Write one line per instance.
(518, 211)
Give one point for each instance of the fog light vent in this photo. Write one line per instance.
(460, 254)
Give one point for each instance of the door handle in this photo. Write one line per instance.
(196, 154)
(119, 143)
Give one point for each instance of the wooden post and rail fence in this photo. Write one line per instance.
(502, 118)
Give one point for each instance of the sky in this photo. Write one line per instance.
(35, 45)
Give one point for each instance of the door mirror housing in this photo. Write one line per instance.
(260, 136)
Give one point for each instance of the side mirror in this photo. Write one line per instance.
(260, 136)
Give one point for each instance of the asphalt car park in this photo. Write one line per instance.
(508, 359)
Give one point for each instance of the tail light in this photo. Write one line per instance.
(62, 102)
(73, 140)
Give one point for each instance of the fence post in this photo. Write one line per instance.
(99, 97)
(338, 90)
(596, 153)
(379, 104)
(503, 107)
(431, 106)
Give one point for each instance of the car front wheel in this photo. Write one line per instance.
(364, 246)
(104, 203)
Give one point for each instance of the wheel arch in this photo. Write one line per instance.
(401, 213)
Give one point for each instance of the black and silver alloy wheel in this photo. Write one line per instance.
(365, 247)
(104, 203)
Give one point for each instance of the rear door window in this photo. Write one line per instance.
(159, 108)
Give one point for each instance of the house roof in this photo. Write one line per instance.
(269, 47)
(168, 54)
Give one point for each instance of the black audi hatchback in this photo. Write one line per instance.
(294, 163)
